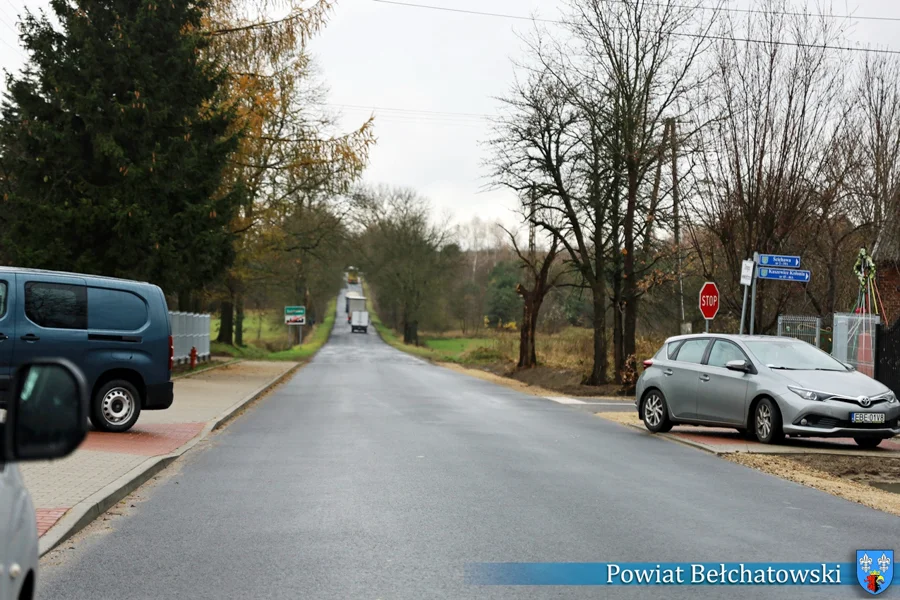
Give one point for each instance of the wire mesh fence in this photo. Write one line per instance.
(806, 328)
(854, 340)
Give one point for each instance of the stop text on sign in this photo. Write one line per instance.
(709, 300)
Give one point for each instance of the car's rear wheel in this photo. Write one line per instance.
(116, 406)
(767, 422)
(867, 443)
(655, 412)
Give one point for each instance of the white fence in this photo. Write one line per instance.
(190, 330)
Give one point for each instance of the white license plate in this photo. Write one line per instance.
(867, 417)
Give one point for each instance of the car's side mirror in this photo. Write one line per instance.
(46, 416)
(738, 365)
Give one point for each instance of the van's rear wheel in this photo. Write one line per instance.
(116, 406)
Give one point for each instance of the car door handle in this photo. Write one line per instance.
(704, 378)
(29, 338)
(3, 336)
(668, 372)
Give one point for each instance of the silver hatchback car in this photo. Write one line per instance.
(766, 387)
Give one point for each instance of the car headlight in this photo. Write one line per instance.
(891, 397)
(809, 394)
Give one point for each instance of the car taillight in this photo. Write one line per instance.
(648, 363)
(171, 352)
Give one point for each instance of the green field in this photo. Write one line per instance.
(265, 337)
(460, 350)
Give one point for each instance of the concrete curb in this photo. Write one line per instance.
(83, 514)
(766, 451)
(667, 436)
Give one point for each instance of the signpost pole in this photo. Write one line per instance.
(753, 293)
(744, 309)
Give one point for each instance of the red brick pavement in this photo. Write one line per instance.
(47, 517)
(715, 436)
(150, 439)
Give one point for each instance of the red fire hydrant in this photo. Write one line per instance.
(193, 357)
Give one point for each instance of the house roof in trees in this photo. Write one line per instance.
(887, 246)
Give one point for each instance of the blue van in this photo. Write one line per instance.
(116, 331)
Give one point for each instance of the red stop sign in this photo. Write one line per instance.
(709, 300)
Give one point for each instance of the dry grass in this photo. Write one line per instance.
(623, 418)
(820, 479)
(571, 349)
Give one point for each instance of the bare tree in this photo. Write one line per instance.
(766, 157)
(879, 175)
(641, 57)
(539, 148)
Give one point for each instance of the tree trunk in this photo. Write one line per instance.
(629, 286)
(601, 361)
(618, 322)
(226, 324)
(184, 301)
(527, 357)
(239, 321)
(535, 312)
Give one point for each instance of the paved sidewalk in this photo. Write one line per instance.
(70, 492)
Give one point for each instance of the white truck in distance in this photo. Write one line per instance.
(357, 313)
(359, 321)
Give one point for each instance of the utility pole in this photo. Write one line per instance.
(670, 126)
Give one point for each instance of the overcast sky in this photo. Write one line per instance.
(430, 78)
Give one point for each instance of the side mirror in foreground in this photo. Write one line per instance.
(738, 365)
(47, 411)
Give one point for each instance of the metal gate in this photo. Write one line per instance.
(887, 363)
(803, 328)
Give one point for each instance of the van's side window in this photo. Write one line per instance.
(3, 294)
(115, 310)
(56, 305)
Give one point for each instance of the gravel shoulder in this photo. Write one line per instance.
(847, 477)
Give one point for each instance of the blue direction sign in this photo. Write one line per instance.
(783, 274)
(779, 261)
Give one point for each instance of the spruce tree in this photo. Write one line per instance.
(114, 141)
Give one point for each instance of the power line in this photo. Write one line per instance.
(746, 11)
(679, 34)
(411, 110)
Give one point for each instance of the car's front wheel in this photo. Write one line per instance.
(867, 443)
(767, 422)
(655, 413)
(116, 406)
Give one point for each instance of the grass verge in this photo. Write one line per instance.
(459, 350)
(314, 341)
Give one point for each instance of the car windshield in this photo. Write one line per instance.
(793, 356)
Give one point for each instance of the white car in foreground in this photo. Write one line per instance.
(46, 418)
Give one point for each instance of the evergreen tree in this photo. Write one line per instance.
(114, 140)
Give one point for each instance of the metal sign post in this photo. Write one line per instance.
(776, 267)
(753, 293)
(747, 269)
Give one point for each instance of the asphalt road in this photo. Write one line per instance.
(374, 475)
